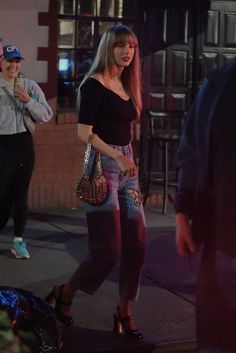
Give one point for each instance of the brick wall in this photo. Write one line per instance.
(59, 156)
(58, 152)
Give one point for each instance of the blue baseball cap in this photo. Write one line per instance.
(11, 52)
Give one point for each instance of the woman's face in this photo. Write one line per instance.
(10, 68)
(123, 54)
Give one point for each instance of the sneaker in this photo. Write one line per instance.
(19, 250)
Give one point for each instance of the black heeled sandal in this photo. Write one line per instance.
(65, 319)
(120, 327)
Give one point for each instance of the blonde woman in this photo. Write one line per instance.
(109, 101)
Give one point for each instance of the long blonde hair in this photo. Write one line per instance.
(104, 62)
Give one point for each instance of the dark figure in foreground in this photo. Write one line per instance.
(109, 100)
(206, 205)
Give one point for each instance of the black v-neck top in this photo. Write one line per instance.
(108, 113)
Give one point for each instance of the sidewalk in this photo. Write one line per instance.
(57, 239)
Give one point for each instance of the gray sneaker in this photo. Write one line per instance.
(19, 250)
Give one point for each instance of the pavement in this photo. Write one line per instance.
(165, 311)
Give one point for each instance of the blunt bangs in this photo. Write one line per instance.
(125, 38)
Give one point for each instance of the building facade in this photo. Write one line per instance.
(180, 42)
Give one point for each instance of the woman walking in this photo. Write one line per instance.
(109, 101)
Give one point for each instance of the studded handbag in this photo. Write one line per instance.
(92, 186)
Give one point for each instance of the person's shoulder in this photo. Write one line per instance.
(98, 77)
(27, 81)
(228, 68)
(30, 84)
(224, 71)
(92, 83)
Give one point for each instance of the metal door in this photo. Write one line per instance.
(216, 45)
(180, 42)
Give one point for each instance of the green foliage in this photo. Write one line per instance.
(11, 341)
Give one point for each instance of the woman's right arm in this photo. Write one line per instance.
(184, 198)
(188, 168)
(184, 240)
(126, 165)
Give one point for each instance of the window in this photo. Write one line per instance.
(80, 26)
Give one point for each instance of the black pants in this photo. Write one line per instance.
(16, 166)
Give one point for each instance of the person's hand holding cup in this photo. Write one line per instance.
(19, 92)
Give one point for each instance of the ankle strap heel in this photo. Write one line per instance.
(64, 318)
(121, 327)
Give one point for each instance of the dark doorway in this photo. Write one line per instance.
(181, 41)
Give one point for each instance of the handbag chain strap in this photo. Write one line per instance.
(87, 153)
(96, 167)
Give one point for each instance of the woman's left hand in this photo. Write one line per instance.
(21, 94)
(126, 165)
(184, 239)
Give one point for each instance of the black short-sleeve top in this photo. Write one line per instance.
(108, 113)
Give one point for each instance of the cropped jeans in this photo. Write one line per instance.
(117, 231)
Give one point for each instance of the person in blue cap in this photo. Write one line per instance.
(22, 103)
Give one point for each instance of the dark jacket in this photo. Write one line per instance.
(194, 188)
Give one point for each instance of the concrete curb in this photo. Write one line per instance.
(173, 347)
(177, 347)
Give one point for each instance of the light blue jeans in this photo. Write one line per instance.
(116, 230)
